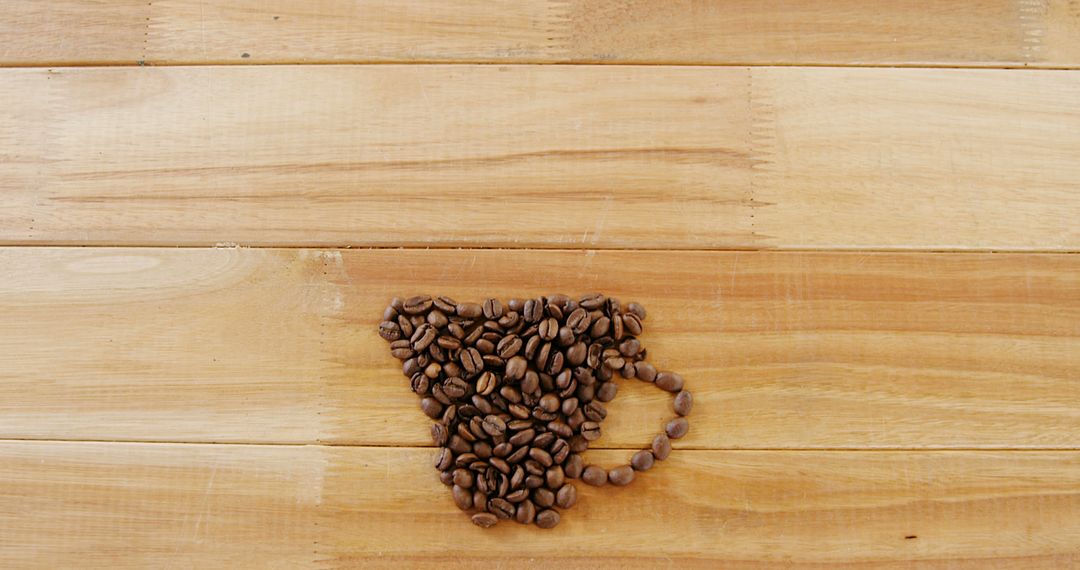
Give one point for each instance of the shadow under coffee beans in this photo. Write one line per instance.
(517, 391)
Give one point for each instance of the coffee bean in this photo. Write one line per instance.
(561, 429)
(465, 459)
(390, 330)
(482, 449)
(636, 309)
(533, 310)
(670, 381)
(446, 478)
(533, 467)
(615, 362)
(485, 520)
(487, 383)
(569, 405)
(606, 392)
(628, 370)
(590, 431)
(661, 447)
(600, 327)
(630, 347)
(684, 402)
(431, 407)
(559, 451)
(480, 500)
(445, 304)
(578, 444)
(518, 496)
(594, 475)
(518, 455)
(416, 305)
(518, 411)
(677, 428)
(549, 402)
(543, 498)
(526, 512)
(642, 460)
(494, 425)
(592, 301)
(531, 383)
(457, 444)
(443, 459)
(438, 434)
(645, 371)
(549, 329)
(509, 320)
(547, 519)
(522, 437)
(463, 478)
(533, 481)
(543, 356)
(493, 309)
(515, 305)
(631, 324)
(575, 420)
(515, 368)
(437, 319)
(469, 310)
(574, 466)
(595, 411)
(540, 456)
(517, 478)
(474, 336)
(555, 477)
(622, 475)
(509, 346)
(501, 508)
(406, 326)
(420, 384)
(567, 496)
(463, 497)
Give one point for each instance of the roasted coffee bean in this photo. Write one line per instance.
(578, 444)
(420, 384)
(622, 475)
(600, 327)
(493, 309)
(630, 347)
(463, 497)
(485, 520)
(533, 467)
(617, 327)
(456, 331)
(606, 392)
(576, 354)
(636, 309)
(515, 305)
(642, 460)
(406, 326)
(390, 330)
(543, 356)
(526, 512)
(586, 393)
(455, 388)
(445, 304)
(443, 459)
(447, 342)
(463, 478)
(590, 431)
(465, 433)
(411, 367)
(631, 324)
(516, 368)
(592, 301)
(677, 428)
(559, 450)
(554, 311)
(549, 402)
(594, 475)
(684, 402)
(511, 394)
(544, 440)
(501, 508)
(592, 357)
(567, 496)
(565, 337)
(578, 321)
(543, 497)
(549, 328)
(480, 500)
(615, 362)
(540, 456)
(522, 437)
(481, 404)
(569, 405)
(503, 449)
(473, 336)
(544, 416)
(402, 349)
(574, 466)
(471, 361)
(439, 435)
(561, 428)
(437, 319)
(575, 420)
(446, 478)
(449, 415)
(629, 370)
(603, 374)
(457, 444)
(493, 361)
(469, 310)
(416, 305)
(482, 449)
(670, 381)
(518, 455)
(555, 477)
(518, 495)
(494, 425)
(431, 407)
(390, 314)
(645, 372)
(422, 337)
(485, 346)
(465, 459)
(509, 346)
(519, 425)
(533, 481)
(486, 383)
(433, 370)
(518, 411)
(595, 411)
(548, 518)
(661, 447)
(562, 380)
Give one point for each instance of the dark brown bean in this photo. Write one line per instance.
(559, 451)
(390, 330)
(630, 347)
(443, 459)
(567, 496)
(526, 512)
(509, 346)
(480, 500)
(574, 466)
(555, 477)
(622, 475)
(540, 456)
(431, 407)
(637, 310)
(494, 425)
(642, 460)
(522, 437)
(684, 402)
(670, 381)
(533, 310)
(493, 309)
(661, 447)
(501, 508)
(485, 520)
(569, 405)
(547, 519)
(549, 329)
(470, 310)
(446, 478)
(439, 435)
(533, 481)
(677, 428)
(607, 391)
(518, 495)
(416, 305)
(463, 478)
(437, 319)
(531, 383)
(487, 383)
(518, 455)
(592, 301)
(516, 368)
(445, 304)
(631, 324)
(590, 431)
(463, 497)
(595, 411)
(594, 475)
(644, 371)
(578, 444)
(543, 497)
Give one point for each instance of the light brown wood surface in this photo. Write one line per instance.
(154, 505)
(783, 350)
(895, 386)
(547, 156)
(1017, 33)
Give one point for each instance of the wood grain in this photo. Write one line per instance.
(126, 505)
(1019, 33)
(783, 350)
(549, 156)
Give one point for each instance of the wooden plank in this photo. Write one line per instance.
(783, 350)
(544, 156)
(1020, 33)
(109, 504)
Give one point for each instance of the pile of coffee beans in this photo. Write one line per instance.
(518, 389)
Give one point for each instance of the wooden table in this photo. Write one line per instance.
(854, 224)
